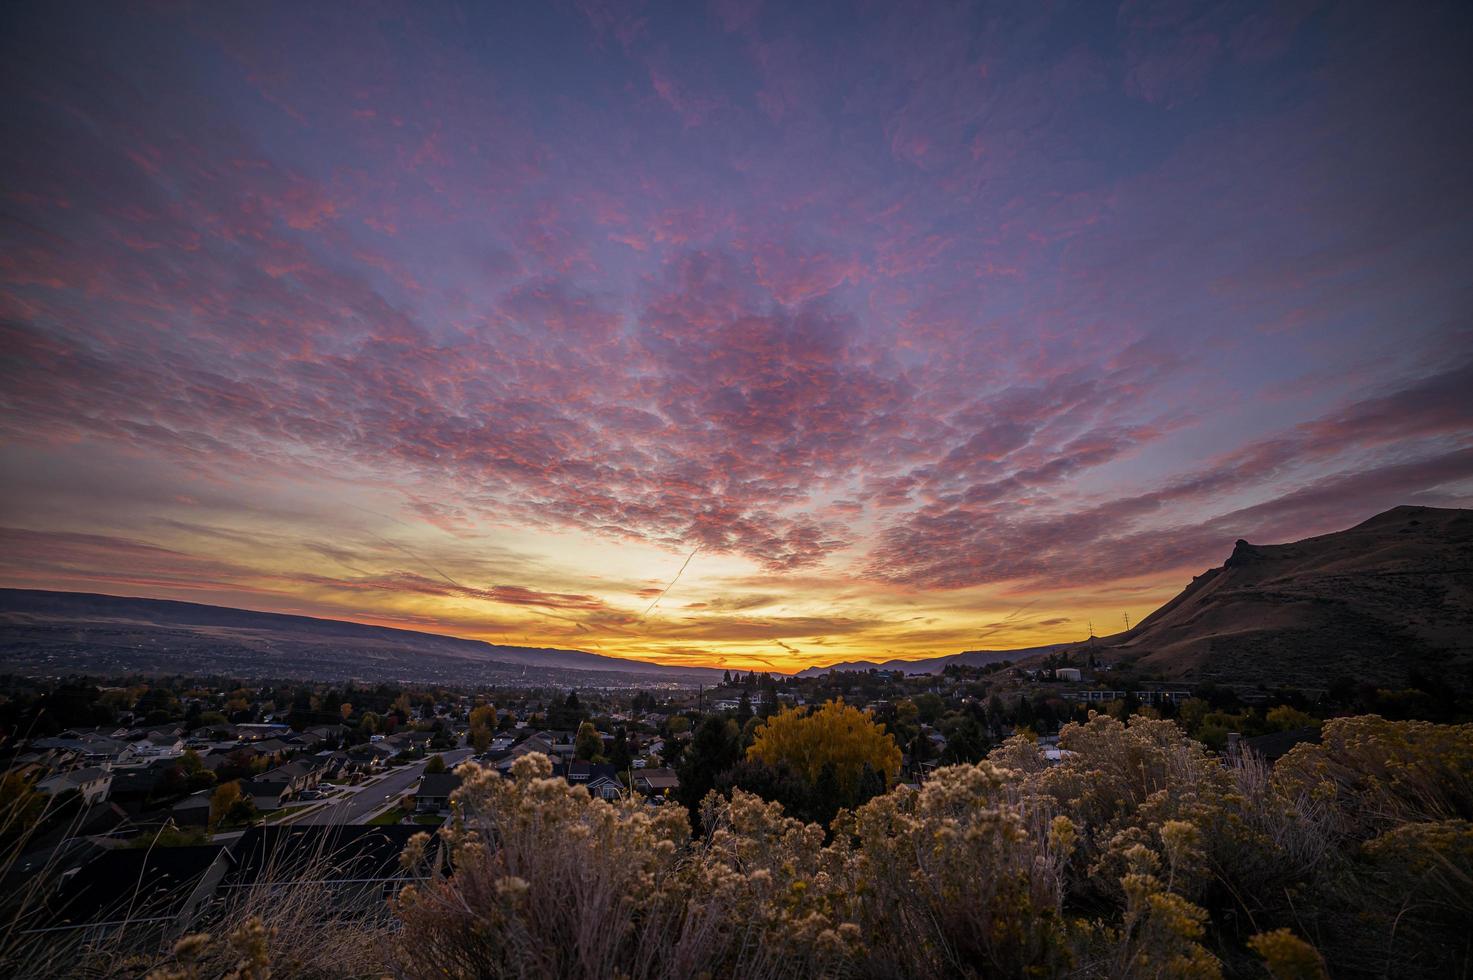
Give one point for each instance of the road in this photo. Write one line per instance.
(362, 804)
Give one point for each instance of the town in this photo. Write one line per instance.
(150, 784)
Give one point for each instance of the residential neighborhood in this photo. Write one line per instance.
(180, 787)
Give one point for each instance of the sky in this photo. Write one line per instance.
(759, 335)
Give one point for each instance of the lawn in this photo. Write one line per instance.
(285, 812)
(388, 818)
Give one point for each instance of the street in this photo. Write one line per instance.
(365, 802)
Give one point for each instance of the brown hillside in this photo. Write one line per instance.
(1373, 603)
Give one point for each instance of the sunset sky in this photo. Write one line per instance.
(902, 330)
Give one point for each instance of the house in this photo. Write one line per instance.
(255, 733)
(160, 889)
(599, 779)
(193, 810)
(93, 746)
(158, 745)
(371, 756)
(268, 746)
(1068, 674)
(133, 785)
(326, 733)
(267, 795)
(559, 744)
(299, 776)
(533, 743)
(358, 864)
(433, 794)
(656, 782)
(92, 782)
(305, 741)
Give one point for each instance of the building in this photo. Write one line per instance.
(92, 783)
(359, 865)
(158, 745)
(599, 779)
(161, 890)
(1145, 697)
(267, 795)
(656, 782)
(299, 776)
(1068, 674)
(433, 794)
(193, 810)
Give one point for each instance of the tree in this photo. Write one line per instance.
(345, 710)
(1283, 718)
(715, 747)
(242, 811)
(223, 800)
(619, 755)
(836, 734)
(587, 744)
(369, 723)
(744, 708)
(436, 765)
(968, 743)
(480, 739)
(483, 716)
(929, 707)
(566, 714)
(21, 807)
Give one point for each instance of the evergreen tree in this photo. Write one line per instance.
(969, 743)
(1024, 714)
(715, 747)
(619, 756)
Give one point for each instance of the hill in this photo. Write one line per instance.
(69, 632)
(1376, 603)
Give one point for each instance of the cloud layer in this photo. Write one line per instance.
(891, 317)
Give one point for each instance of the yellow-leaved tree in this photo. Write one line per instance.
(836, 734)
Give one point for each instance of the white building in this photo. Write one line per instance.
(92, 783)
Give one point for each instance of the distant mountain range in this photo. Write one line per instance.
(930, 665)
(72, 632)
(1372, 604)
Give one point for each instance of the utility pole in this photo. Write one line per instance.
(1127, 621)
